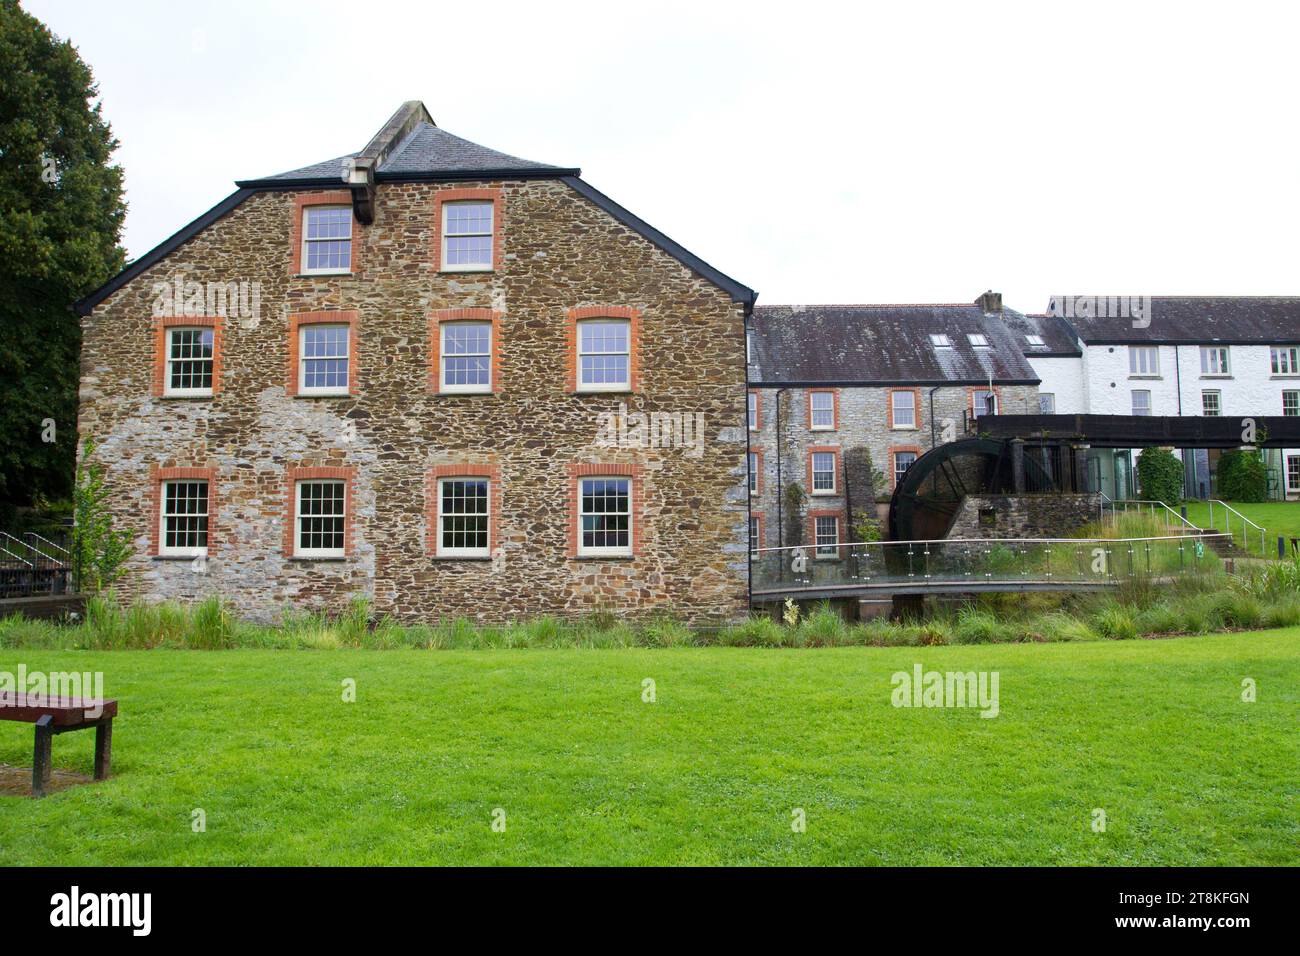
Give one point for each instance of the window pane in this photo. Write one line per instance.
(468, 218)
(466, 350)
(189, 359)
(904, 408)
(464, 514)
(320, 515)
(469, 250)
(466, 338)
(604, 370)
(602, 337)
(823, 409)
(903, 460)
(605, 513)
(329, 222)
(823, 471)
(328, 232)
(185, 515)
(325, 356)
(828, 535)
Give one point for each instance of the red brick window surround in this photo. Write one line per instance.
(635, 511)
(184, 514)
(755, 468)
(823, 519)
(574, 345)
(466, 350)
(755, 411)
(300, 320)
(326, 536)
(814, 457)
(819, 407)
(898, 404)
(181, 364)
(452, 486)
(304, 201)
(895, 466)
(469, 229)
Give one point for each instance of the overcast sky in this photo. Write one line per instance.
(864, 152)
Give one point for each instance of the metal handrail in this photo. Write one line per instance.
(1000, 541)
(1263, 547)
(45, 540)
(17, 557)
(1138, 501)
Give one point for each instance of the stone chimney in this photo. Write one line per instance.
(990, 302)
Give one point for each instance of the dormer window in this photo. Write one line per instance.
(940, 341)
(1035, 340)
(978, 341)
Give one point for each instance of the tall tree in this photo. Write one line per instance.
(61, 213)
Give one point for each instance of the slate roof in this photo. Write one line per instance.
(427, 152)
(411, 147)
(882, 345)
(1059, 340)
(1230, 320)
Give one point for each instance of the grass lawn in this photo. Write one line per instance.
(1152, 732)
(1277, 517)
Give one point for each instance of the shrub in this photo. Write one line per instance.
(1115, 621)
(353, 625)
(1285, 613)
(665, 632)
(1160, 475)
(1236, 609)
(1159, 618)
(758, 631)
(1242, 476)
(1279, 579)
(823, 628)
(976, 626)
(211, 626)
(1060, 626)
(541, 632)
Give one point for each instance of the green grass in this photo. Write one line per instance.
(1277, 517)
(1152, 732)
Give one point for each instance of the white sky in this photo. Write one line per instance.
(865, 152)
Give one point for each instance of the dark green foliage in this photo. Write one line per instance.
(1242, 476)
(61, 213)
(1161, 475)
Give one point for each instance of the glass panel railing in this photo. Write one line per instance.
(982, 563)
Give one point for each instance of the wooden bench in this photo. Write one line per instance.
(59, 715)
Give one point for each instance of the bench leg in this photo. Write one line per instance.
(103, 748)
(41, 756)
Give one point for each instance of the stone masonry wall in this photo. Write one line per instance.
(559, 252)
(1023, 516)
